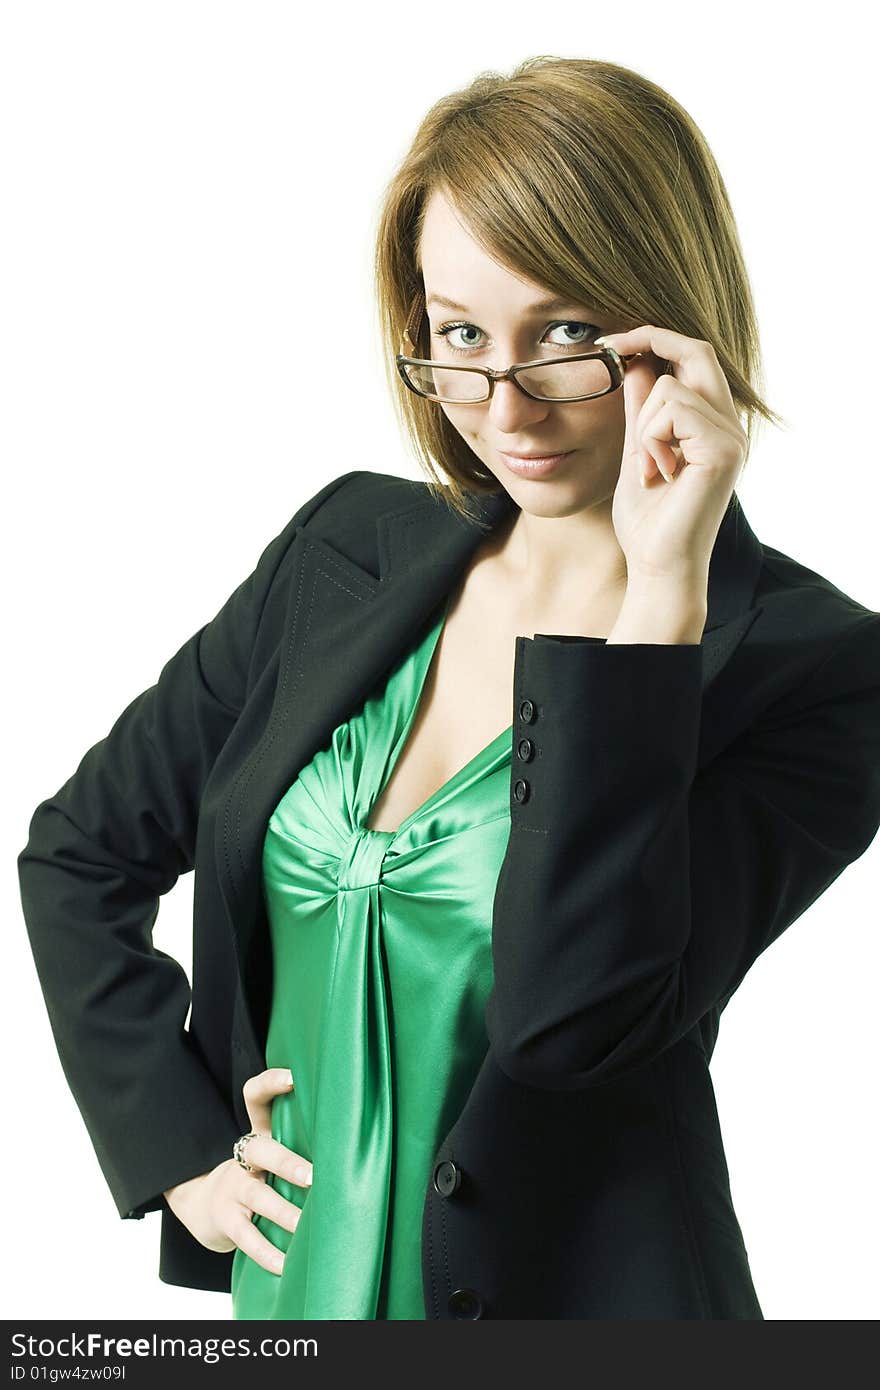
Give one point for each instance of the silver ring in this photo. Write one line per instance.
(238, 1147)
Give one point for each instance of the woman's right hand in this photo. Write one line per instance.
(217, 1207)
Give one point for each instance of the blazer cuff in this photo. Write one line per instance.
(588, 710)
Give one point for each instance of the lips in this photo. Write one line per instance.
(533, 467)
(550, 454)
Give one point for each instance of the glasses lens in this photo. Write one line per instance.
(564, 379)
(556, 381)
(448, 383)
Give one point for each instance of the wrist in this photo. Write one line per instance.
(182, 1189)
(661, 611)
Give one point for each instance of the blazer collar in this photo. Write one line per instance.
(428, 534)
(344, 629)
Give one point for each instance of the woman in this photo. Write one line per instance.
(457, 979)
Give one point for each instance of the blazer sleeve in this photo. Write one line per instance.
(100, 853)
(636, 890)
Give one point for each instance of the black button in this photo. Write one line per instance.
(465, 1303)
(447, 1178)
(528, 712)
(525, 750)
(521, 790)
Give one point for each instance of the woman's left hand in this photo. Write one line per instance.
(685, 426)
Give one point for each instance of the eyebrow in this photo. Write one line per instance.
(540, 306)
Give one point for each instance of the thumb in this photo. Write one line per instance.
(259, 1092)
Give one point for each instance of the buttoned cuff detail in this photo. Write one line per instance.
(587, 716)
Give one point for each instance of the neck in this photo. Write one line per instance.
(564, 562)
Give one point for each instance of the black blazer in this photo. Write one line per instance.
(673, 809)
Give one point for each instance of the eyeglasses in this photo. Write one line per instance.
(578, 376)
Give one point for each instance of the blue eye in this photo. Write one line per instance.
(448, 328)
(588, 330)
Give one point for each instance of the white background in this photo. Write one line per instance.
(190, 194)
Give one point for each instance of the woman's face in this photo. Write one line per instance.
(497, 325)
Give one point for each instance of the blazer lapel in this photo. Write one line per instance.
(344, 630)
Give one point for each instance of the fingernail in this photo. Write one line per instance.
(303, 1176)
(278, 1261)
(288, 1077)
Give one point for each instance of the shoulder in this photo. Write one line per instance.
(808, 624)
(348, 519)
(342, 515)
(357, 498)
(789, 582)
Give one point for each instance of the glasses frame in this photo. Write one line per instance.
(615, 362)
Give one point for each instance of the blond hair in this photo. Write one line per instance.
(590, 179)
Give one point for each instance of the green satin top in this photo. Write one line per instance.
(382, 966)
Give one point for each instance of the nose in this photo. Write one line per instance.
(510, 410)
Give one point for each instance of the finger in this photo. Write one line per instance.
(267, 1155)
(648, 469)
(671, 455)
(658, 460)
(662, 443)
(244, 1233)
(694, 361)
(261, 1199)
(701, 441)
(259, 1091)
(668, 388)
